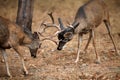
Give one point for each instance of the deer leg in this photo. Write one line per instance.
(2, 60)
(107, 23)
(97, 56)
(19, 50)
(6, 62)
(90, 37)
(79, 44)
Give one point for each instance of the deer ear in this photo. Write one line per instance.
(75, 25)
(68, 34)
(35, 35)
(61, 24)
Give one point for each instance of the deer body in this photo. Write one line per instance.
(88, 17)
(13, 36)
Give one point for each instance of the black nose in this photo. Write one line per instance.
(58, 48)
(34, 56)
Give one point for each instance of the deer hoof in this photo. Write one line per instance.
(25, 73)
(10, 76)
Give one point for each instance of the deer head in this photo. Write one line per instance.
(35, 45)
(66, 34)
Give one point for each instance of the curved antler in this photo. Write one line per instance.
(47, 25)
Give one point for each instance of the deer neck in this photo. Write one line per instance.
(29, 33)
(74, 29)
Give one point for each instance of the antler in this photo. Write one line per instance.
(47, 25)
(51, 16)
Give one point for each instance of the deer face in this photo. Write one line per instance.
(35, 45)
(66, 34)
(64, 37)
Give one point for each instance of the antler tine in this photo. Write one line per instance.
(53, 21)
(51, 16)
(43, 24)
(50, 24)
(61, 24)
(47, 25)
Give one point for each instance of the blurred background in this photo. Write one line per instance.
(65, 9)
(59, 65)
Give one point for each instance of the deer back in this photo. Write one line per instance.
(4, 32)
(90, 15)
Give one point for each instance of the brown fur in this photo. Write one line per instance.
(89, 16)
(12, 35)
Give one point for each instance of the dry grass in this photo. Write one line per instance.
(59, 65)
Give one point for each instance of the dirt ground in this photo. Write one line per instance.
(59, 65)
(51, 64)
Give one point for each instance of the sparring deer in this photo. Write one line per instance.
(88, 17)
(13, 36)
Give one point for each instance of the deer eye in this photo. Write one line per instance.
(65, 40)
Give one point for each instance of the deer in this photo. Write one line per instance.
(88, 17)
(13, 36)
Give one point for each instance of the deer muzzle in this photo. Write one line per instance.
(33, 52)
(60, 45)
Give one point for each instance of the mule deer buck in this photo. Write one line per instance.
(13, 36)
(88, 17)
